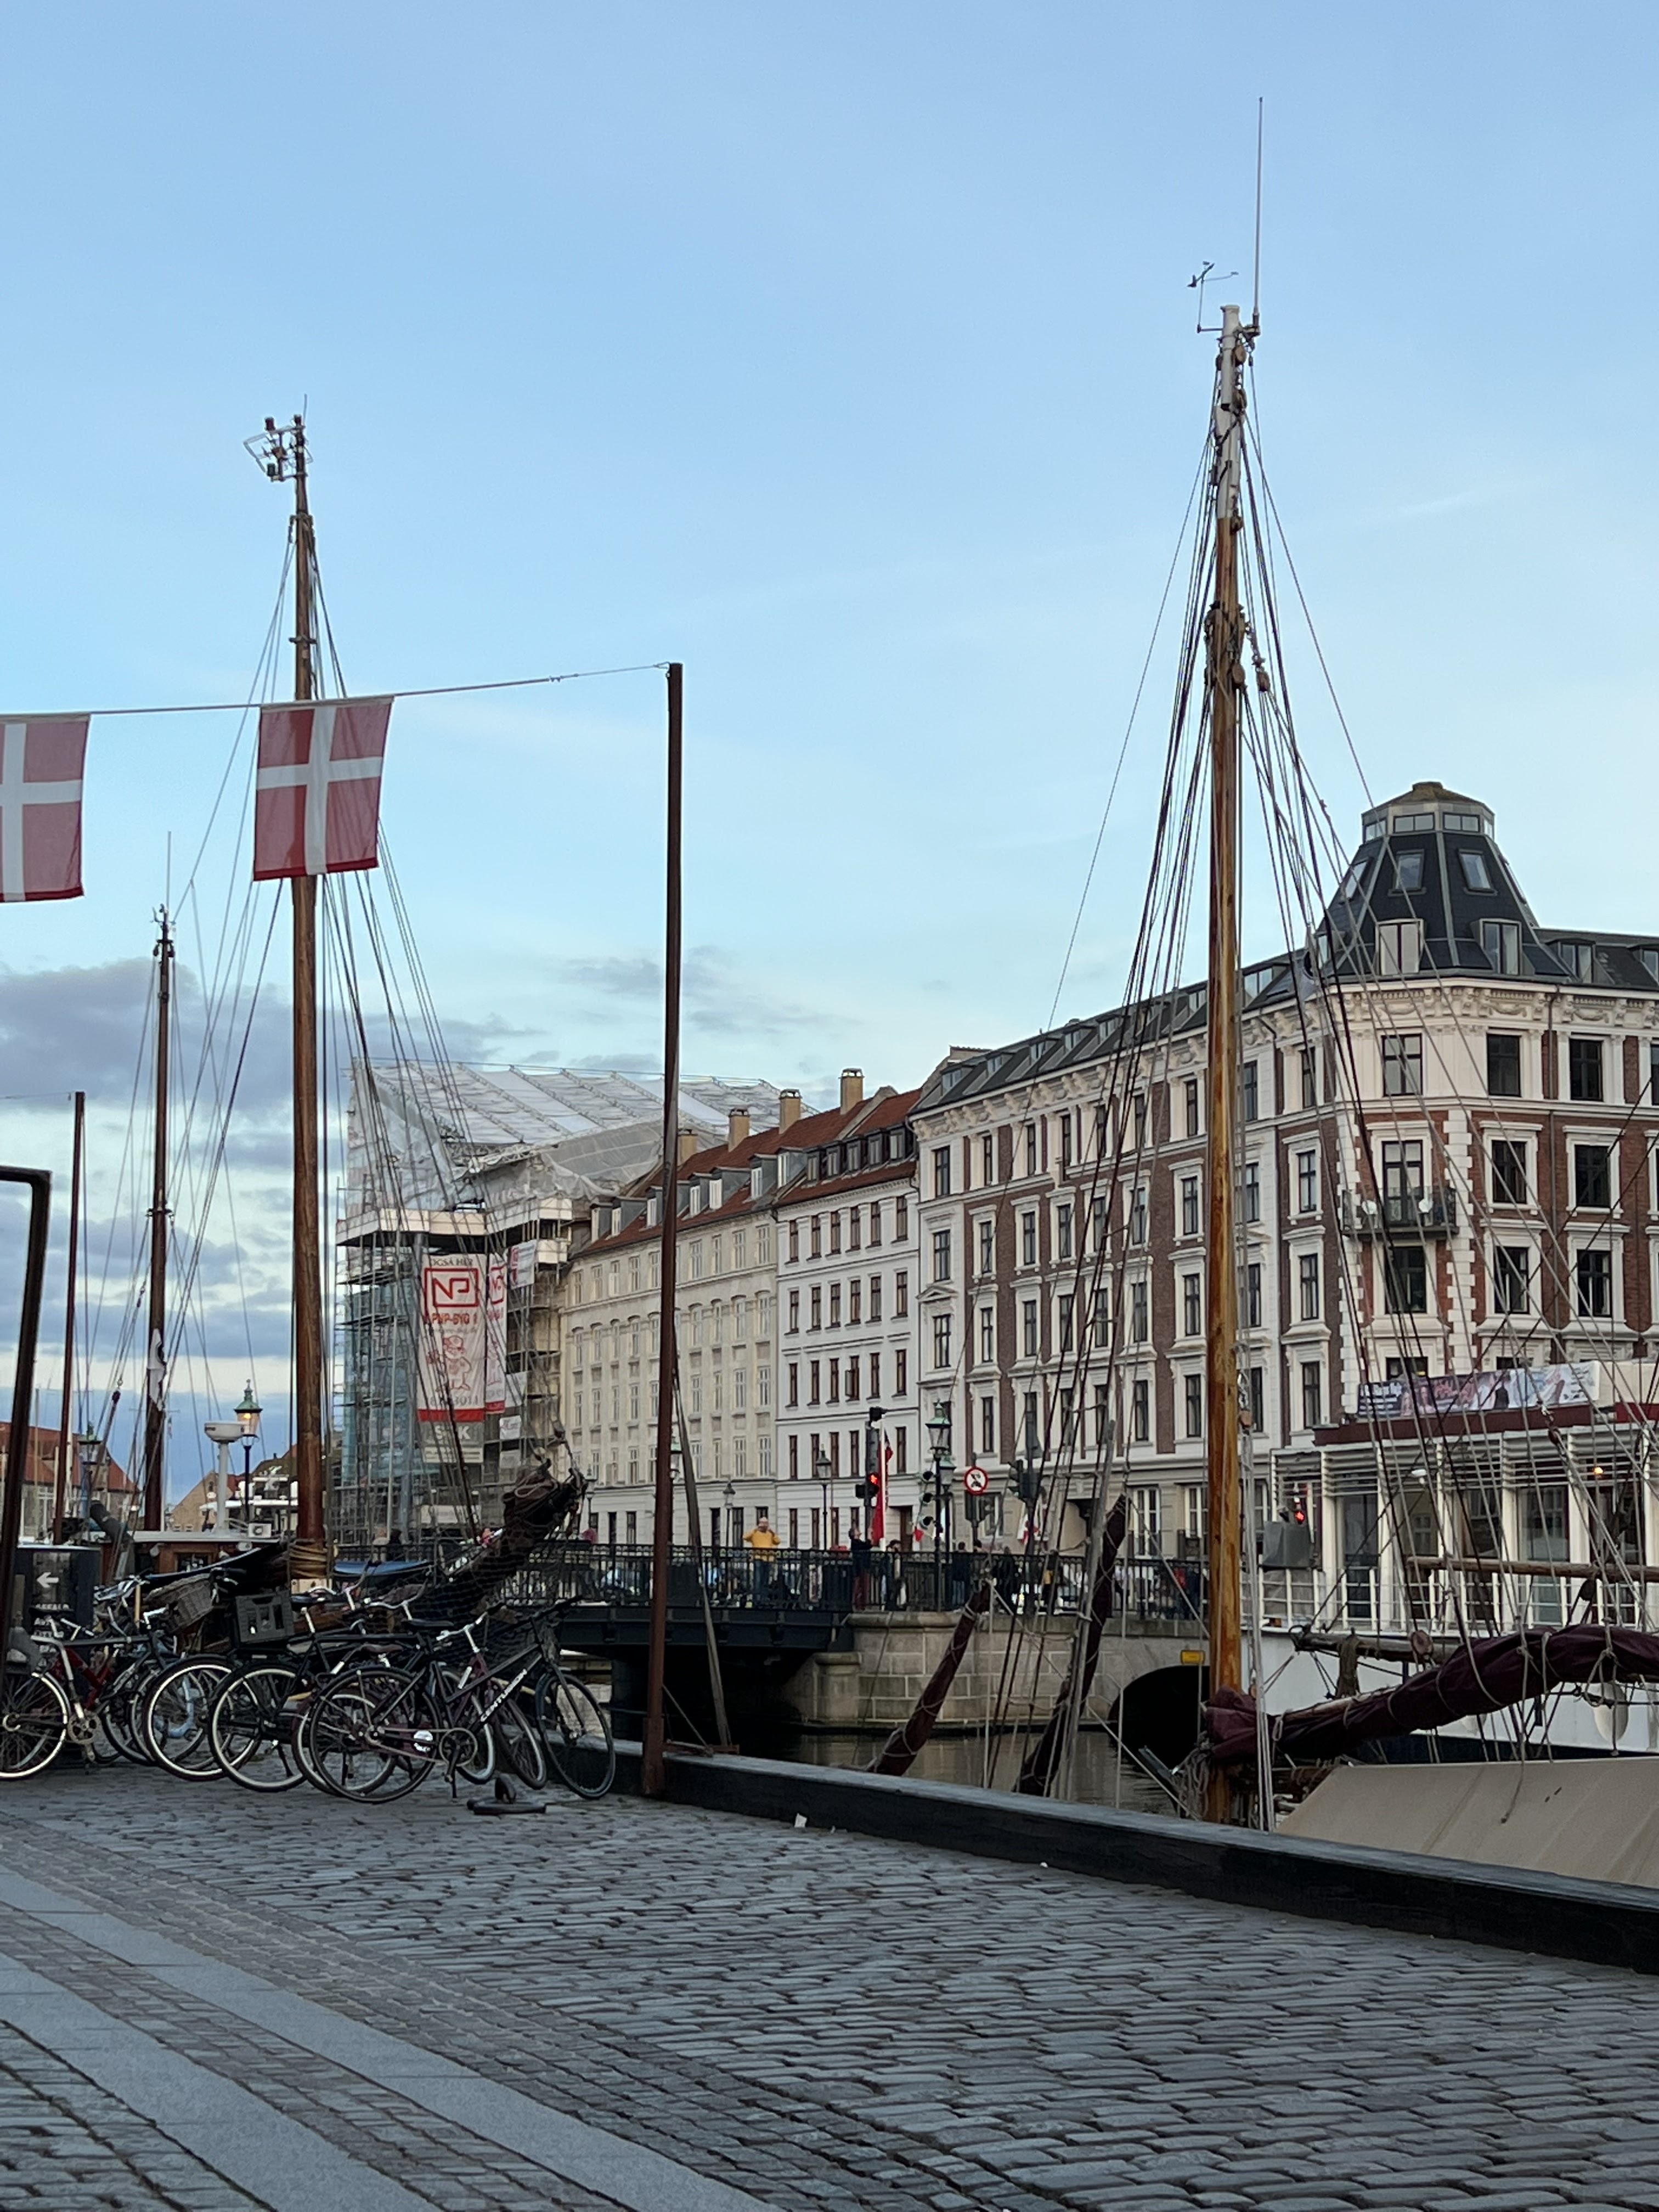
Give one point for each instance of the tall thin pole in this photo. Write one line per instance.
(653, 1772)
(156, 1398)
(65, 1427)
(1221, 1257)
(309, 1557)
(39, 1183)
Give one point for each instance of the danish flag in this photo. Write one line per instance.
(40, 770)
(317, 795)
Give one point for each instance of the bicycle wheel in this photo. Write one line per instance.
(251, 1729)
(173, 1720)
(371, 1735)
(117, 1710)
(463, 1713)
(577, 1734)
(34, 1723)
(519, 1741)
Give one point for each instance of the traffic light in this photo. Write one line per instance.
(1028, 1482)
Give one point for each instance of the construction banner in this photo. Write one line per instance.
(496, 1337)
(451, 1362)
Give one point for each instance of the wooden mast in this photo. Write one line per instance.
(155, 1371)
(65, 1425)
(1224, 676)
(309, 1555)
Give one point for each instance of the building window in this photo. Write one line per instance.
(1029, 1328)
(1307, 1182)
(875, 1297)
(988, 1247)
(795, 1240)
(1312, 1395)
(1501, 943)
(875, 1225)
(1253, 1295)
(1145, 1533)
(1063, 1232)
(1476, 874)
(900, 1386)
(1028, 1240)
(817, 1309)
(1508, 1173)
(763, 1388)
(1251, 1092)
(1408, 872)
(988, 1161)
(1252, 1191)
(901, 1295)
(1140, 1412)
(1138, 1214)
(1584, 1068)
(814, 1388)
(1030, 1148)
(1066, 1304)
(1653, 1073)
(1189, 1206)
(1399, 948)
(941, 1340)
(1138, 1328)
(941, 1255)
(1578, 960)
(1190, 1095)
(1192, 1305)
(941, 1171)
(1592, 1180)
(1309, 1075)
(875, 1375)
(987, 1424)
(1194, 1403)
(1406, 1280)
(855, 1301)
(1402, 1168)
(901, 1221)
(835, 1382)
(1103, 1319)
(1402, 1066)
(1595, 1273)
(1511, 1273)
(987, 1333)
(795, 1313)
(1138, 1112)
(1065, 1143)
(1307, 1277)
(1502, 1065)
(1258, 1403)
(815, 1235)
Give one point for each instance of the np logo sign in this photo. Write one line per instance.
(453, 1293)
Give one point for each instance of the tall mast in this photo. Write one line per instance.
(309, 1557)
(1224, 676)
(65, 1425)
(155, 1409)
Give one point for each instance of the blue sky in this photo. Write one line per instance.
(844, 353)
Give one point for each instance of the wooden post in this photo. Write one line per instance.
(1221, 1412)
(309, 1555)
(155, 1372)
(65, 1427)
(654, 1774)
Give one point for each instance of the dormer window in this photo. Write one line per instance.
(1649, 956)
(1501, 943)
(1408, 872)
(1405, 824)
(1464, 824)
(1399, 948)
(1476, 874)
(1576, 960)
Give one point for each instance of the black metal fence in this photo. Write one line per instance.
(921, 1580)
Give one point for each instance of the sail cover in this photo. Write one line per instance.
(40, 771)
(1481, 1678)
(316, 798)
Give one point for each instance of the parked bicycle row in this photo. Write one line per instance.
(362, 1697)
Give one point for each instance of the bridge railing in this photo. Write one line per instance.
(921, 1580)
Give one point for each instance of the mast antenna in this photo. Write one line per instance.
(1256, 280)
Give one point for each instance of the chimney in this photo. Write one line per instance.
(689, 1145)
(851, 1088)
(788, 1108)
(737, 1126)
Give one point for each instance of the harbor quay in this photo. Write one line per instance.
(212, 2002)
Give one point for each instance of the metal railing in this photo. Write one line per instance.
(1147, 1589)
(1431, 1212)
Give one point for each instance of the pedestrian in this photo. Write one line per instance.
(763, 1541)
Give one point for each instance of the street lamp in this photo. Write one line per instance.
(821, 1470)
(247, 1419)
(938, 1429)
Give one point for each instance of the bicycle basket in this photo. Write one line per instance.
(191, 1600)
(265, 1618)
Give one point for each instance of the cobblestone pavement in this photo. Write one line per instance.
(808, 2018)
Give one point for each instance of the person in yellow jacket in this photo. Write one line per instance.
(763, 1541)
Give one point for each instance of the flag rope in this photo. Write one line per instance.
(425, 691)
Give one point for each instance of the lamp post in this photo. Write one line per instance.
(939, 1430)
(821, 1469)
(248, 1420)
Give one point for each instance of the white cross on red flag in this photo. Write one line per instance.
(317, 794)
(41, 764)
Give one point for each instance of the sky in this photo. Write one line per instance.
(846, 354)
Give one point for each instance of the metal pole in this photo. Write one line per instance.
(653, 1772)
(22, 1389)
(155, 1415)
(65, 1430)
(309, 1557)
(1221, 1257)
(694, 1524)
